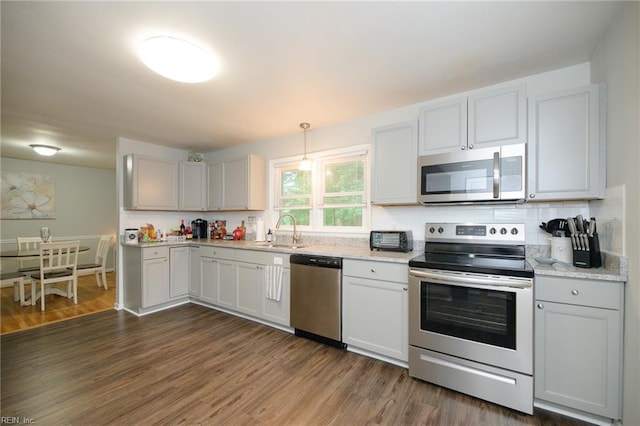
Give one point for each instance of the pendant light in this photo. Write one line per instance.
(305, 164)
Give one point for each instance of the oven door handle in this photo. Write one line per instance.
(473, 280)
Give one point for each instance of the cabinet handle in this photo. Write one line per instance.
(574, 292)
(540, 306)
(404, 288)
(373, 270)
(470, 146)
(463, 147)
(532, 195)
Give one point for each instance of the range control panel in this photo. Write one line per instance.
(477, 232)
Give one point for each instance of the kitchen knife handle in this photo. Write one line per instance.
(496, 175)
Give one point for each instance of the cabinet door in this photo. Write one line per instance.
(577, 355)
(376, 316)
(443, 127)
(227, 296)
(193, 181)
(195, 288)
(235, 184)
(214, 186)
(155, 281)
(250, 288)
(179, 267)
(278, 311)
(209, 279)
(151, 183)
(497, 117)
(395, 157)
(565, 149)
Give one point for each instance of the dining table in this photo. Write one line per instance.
(31, 254)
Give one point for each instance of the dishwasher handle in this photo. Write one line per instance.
(316, 261)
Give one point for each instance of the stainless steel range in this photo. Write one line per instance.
(471, 312)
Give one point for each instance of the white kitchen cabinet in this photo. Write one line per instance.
(395, 156)
(218, 276)
(375, 307)
(578, 344)
(193, 186)
(195, 284)
(180, 274)
(566, 148)
(155, 276)
(252, 298)
(150, 183)
(489, 117)
(250, 288)
(238, 184)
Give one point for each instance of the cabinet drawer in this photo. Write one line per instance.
(263, 257)
(601, 294)
(218, 252)
(155, 252)
(376, 270)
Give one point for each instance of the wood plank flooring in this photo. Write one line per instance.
(193, 365)
(91, 299)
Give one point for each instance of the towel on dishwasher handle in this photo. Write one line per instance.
(273, 282)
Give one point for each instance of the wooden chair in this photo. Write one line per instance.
(17, 280)
(100, 266)
(28, 244)
(58, 263)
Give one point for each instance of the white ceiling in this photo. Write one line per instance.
(71, 78)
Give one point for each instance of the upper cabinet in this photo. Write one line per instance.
(150, 183)
(486, 118)
(395, 150)
(566, 148)
(238, 184)
(193, 186)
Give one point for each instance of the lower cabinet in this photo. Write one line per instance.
(180, 271)
(375, 307)
(236, 280)
(578, 344)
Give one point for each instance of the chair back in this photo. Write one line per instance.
(102, 251)
(28, 243)
(57, 257)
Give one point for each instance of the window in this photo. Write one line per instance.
(332, 196)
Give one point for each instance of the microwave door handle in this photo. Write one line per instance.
(496, 175)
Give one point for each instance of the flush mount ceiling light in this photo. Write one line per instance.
(177, 60)
(305, 164)
(45, 150)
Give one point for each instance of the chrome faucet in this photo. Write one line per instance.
(296, 235)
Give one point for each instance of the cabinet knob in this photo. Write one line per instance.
(404, 288)
(532, 195)
(470, 146)
(463, 147)
(540, 306)
(373, 270)
(574, 292)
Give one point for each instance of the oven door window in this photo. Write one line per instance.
(477, 314)
(458, 178)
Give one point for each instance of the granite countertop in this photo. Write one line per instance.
(357, 252)
(615, 267)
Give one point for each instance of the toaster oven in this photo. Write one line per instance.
(391, 240)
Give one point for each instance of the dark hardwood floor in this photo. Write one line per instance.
(193, 365)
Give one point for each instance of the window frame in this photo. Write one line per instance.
(318, 161)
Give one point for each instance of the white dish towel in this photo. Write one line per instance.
(273, 282)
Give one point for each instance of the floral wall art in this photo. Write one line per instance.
(28, 196)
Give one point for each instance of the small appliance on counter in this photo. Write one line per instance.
(131, 235)
(391, 240)
(200, 229)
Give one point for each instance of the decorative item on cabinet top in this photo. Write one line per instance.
(195, 157)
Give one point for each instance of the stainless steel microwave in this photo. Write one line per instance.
(495, 174)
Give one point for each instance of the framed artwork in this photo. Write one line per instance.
(28, 196)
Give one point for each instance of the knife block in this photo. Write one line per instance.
(591, 258)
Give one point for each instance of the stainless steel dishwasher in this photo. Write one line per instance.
(316, 298)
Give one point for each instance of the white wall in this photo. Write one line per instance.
(617, 62)
(85, 206)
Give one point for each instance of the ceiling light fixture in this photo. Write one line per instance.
(45, 150)
(305, 164)
(177, 59)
